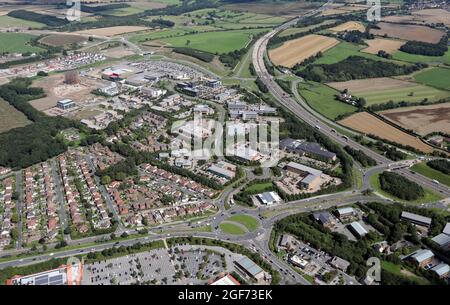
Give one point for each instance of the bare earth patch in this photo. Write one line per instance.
(297, 50)
(114, 30)
(408, 32)
(378, 44)
(349, 26)
(369, 124)
(55, 89)
(422, 119)
(62, 39)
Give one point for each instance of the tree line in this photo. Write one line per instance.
(48, 20)
(425, 48)
(360, 156)
(355, 67)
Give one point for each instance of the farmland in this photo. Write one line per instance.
(408, 32)
(10, 117)
(425, 170)
(297, 50)
(342, 51)
(378, 44)
(8, 22)
(214, 42)
(112, 31)
(17, 43)
(423, 16)
(384, 89)
(435, 77)
(422, 119)
(414, 58)
(322, 99)
(369, 124)
(295, 30)
(62, 39)
(349, 26)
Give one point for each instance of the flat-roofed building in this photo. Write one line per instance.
(221, 171)
(63, 275)
(65, 104)
(226, 280)
(339, 263)
(250, 268)
(302, 147)
(286, 241)
(297, 261)
(357, 229)
(416, 219)
(269, 198)
(442, 270)
(310, 176)
(153, 92)
(422, 257)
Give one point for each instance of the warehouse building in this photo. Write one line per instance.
(357, 229)
(422, 257)
(251, 269)
(64, 275)
(226, 280)
(269, 198)
(416, 219)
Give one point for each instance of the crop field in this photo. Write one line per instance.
(214, 42)
(435, 77)
(17, 43)
(322, 99)
(294, 30)
(10, 117)
(422, 119)
(384, 89)
(58, 40)
(114, 30)
(413, 58)
(408, 32)
(423, 16)
(286, 9)
(349, 26)
(387, 45)
(297, 50)
(369, 124)
(8, 22)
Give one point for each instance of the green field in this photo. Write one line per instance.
(445, 59)
(425, 170)
(400, 271)
(408, 94)
(248, 221)
(7, 22)
(429, 195)
(166, 33)
(230, 228)
(344, 50)
(214, 42)
(321, 98)
(10, 117)
(258, 187)
(435, 77)
(295, 30)
(17, 43)
(123, 11)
